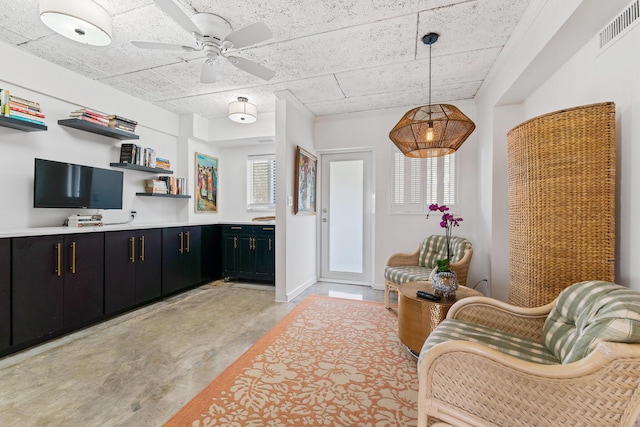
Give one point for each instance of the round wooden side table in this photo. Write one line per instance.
(418, 317)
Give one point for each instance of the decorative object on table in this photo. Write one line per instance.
(206, 183)
(445, 281)
(305, 183)
(431, 130)
(562, 202)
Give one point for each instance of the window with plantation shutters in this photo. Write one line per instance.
(261, 182)
(417, 183)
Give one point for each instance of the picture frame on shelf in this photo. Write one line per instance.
(206, 170)
(305, 182)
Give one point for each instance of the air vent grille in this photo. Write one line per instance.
(620, 25)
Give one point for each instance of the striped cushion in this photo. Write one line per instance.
(522, 348)
(434, 248)
(589, 312)
(400, 275)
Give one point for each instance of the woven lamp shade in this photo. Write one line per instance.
(561, 202)
(451, 128)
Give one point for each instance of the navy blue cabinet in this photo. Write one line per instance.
(5, 294)
(248, 252)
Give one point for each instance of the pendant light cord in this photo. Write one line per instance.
(430, 44)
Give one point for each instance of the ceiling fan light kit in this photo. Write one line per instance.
(214, 36)
(242, 111)
(82, 21)
(431, 130)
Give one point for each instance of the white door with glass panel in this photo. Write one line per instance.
(346, 215)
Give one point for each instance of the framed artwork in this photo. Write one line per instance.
(206, 183)
(305, 183)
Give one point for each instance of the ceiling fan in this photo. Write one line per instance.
(214, 36)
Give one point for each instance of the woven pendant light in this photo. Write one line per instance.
(431, 130)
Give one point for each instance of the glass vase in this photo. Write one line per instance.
(445, 283)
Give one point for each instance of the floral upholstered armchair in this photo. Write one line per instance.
(402, 268)
(572, 362)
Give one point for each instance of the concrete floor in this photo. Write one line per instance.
(140, 368)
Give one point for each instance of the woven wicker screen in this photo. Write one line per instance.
(561, 202)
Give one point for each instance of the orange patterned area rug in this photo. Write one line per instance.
(329, 362)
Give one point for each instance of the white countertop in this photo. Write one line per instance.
(48, 231)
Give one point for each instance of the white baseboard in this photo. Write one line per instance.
(300, 289)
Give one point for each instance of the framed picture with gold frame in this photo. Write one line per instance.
(305, 182)
(206, 183)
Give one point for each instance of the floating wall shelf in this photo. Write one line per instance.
(99, 129)
(141, 168)
(22, 125)
(176, 196)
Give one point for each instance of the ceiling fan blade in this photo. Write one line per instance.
(209, 71)
(251, 34)
(172, 9)
(161, 46)
(251, 67)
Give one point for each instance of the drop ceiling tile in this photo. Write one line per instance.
(301, 18)
(187, 76)
(375, 44)
(115, 7)
(12, 37)
(383, 101)
(58, 50)
(145, 84)
(460, 67)
(215, 105)
(23, 17)
(468, 26)
(322, 88)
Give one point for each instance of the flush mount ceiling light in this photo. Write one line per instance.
(431, 130)
(242, 111)
(81, 20)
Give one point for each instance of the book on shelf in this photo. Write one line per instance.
(20, 108)
(174, 185)
(127, 153)
(137, 155)
(122, 123)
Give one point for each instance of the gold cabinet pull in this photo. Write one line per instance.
(268, 228)
(141, 248)
(235, 243)
(132, 249)
(181, 250)
(58, 249)
(73, 257)
(188, 241)
(269, 244)
(236, 228)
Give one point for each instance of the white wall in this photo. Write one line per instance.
(613, 76)
(295, 235)
(59, 92)
(233, 175)
(550, 63)
(403, 233)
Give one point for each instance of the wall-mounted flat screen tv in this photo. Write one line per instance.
(66, 185)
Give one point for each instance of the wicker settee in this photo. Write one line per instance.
(574, 361)
(402, 268)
